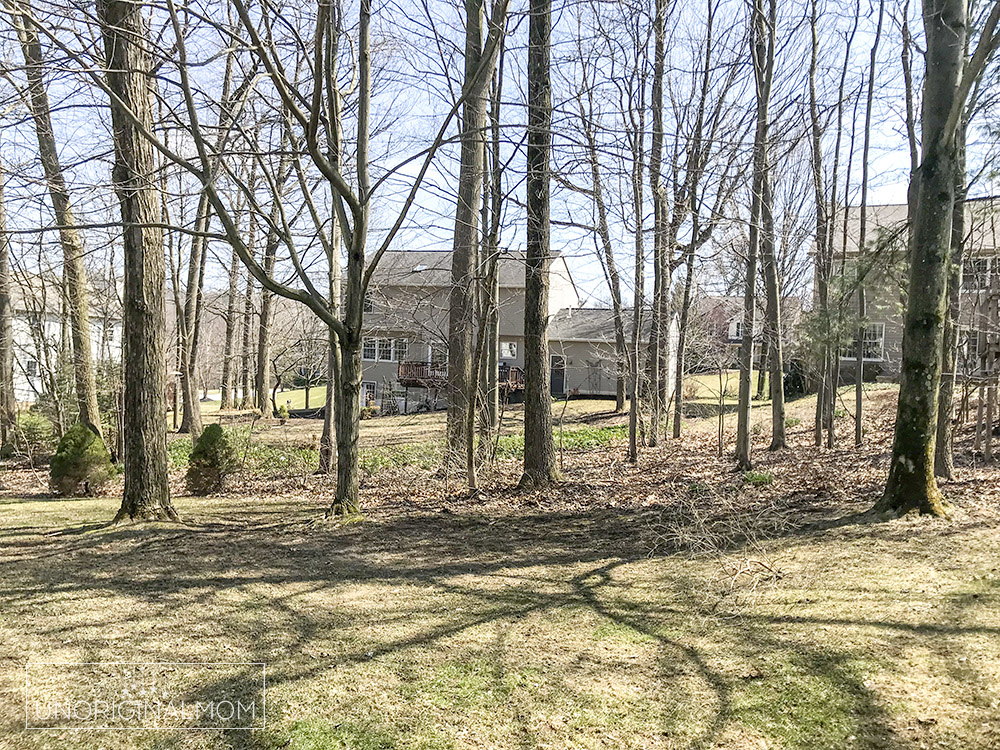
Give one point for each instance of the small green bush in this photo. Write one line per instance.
(758, 478)
(368, 412)
(283, 412)
(34, 436)
(214, 457)
(792, 422)
(81, 464)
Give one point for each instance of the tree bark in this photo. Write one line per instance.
(8, 403)
(262, 378)
(603, 232)
(862, 237)
(682, 336)
(661, 268)
(823, 261)
(539, 449)
(762, 47)
(944, 460)
(147, 493)
(462, 384)
(775, 348)
(911, 485)
(75, 275)
(228, 385)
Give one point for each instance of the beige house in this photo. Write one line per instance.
(885, 284)
(406, 332)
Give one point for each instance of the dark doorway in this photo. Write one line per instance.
(557, 374)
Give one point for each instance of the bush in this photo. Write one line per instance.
(81, 465)
(34, 436)
(690, 390)
(758, 478)
(792, 422)
(283, 412)
(369, 411)
(214, 457)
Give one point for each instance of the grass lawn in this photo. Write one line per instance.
(671, 604)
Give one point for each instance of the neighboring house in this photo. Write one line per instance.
(405, 348)
(41, 335)
(885, 286)
(716, 331)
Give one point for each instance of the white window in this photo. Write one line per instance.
(402, 348)
(369, 304)
(976, 273)
(31, 368)
(508, 350)
(369, 348)
(873, 346)
(735, 329)
(438, 354)
(385, 350)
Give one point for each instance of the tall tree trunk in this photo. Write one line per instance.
(246, 353)
(262, 378)
(147, 493)
(636, 136)
(944, 461)
(8, 403)
(911, 485)
(489, 422)
(661, 272)
(539, 449)
(823, 261)
(74, 273)
(762, 47)
(862, 237)
(682, 334)
(188, 319)
(603, 236)
(228, 384)
(462, 384)
(775, 348)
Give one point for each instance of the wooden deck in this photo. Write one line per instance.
(434, 376)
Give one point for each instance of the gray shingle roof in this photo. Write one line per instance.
(433, 268)
(591, 324)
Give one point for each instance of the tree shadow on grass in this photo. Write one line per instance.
(504, 570)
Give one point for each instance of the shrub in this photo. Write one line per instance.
(758, 478)
(81, 464)
(283, 413)
(369, 411)
(214, 457)
(690, 389)
(34, 436)
(792, 422)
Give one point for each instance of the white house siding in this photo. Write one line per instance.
(29, 363)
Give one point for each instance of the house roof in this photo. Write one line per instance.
(432, 268)
(592, 324)
(889, 221)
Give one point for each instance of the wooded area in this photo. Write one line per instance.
(250, 249)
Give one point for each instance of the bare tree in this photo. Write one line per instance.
(862, 236)
(147, 493)
(540, 467)
(762, 48)
(8, 404)
(911, 485)
(465, 261)
(75, 275)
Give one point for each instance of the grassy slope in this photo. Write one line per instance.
(615, 612)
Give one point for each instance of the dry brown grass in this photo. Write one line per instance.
(600, 614)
